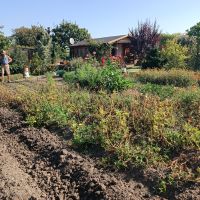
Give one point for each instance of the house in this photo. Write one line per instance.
(121, 46)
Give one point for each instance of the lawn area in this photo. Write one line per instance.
(13, 77)
(132, 68)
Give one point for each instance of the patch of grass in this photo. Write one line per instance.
(13, 77)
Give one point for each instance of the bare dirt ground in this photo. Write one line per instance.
(36, 164)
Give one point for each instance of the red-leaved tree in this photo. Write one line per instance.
(144, 37)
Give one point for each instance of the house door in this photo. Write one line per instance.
(113, 52)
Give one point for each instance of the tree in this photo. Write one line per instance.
(4, 41)
(25, 36)
(182, 39)
(153, 59)
(164, 37)
(20, 57)
(174, 54)
(64, 31)
(43, 47)
(143, 38)
(36, 37)
(194, 33)
(37, 67)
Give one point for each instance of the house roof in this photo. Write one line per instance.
(109, 40)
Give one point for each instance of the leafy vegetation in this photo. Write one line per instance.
(143, 38)
(162, 91)
(62, 34)
(175, 77)
(108, 78)
(174, 54)
(20, 59)
(76, 63)
(37, 41)
(5, 42)
(100, 49)
(194, 32)
(149, 123)
(156, 129)
(153, 59)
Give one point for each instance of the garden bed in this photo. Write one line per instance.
(134, 129)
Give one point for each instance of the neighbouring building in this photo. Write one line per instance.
(121, 46)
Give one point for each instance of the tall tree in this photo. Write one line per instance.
(38, 38)
(144, 37)
(174, 54)
(164, 37)
(194, 33)
(29, 37)
(25, 36)
(20, 57)
(4, 41)
(43, 45)
(66, 30)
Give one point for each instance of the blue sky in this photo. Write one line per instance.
(101, 17)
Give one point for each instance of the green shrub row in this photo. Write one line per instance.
(177, 78)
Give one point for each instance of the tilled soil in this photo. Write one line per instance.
(36, 164)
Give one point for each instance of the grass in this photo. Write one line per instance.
(13, 77)
(132, 70)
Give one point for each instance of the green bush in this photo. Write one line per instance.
(76, 63)
(60, 73)
(153, 59)
(70, 77)
(109, 78)
(15, 69)
(20, 59)
(189, 106)
(112, 79)
(87, 76)
(174, 54)
(178, 78)
(37, 67)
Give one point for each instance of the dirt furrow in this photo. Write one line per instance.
(51, 170)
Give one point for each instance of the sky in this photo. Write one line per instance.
(101, 17)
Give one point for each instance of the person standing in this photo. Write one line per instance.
(5, 60)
